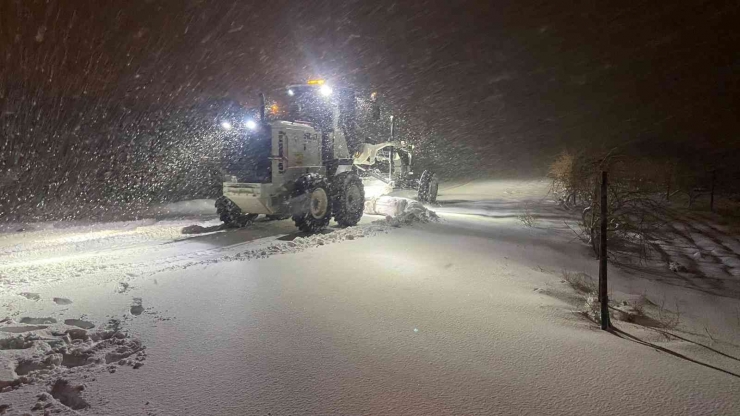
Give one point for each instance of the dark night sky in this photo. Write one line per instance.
(516, 81)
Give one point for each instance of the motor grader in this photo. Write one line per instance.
(303, 155)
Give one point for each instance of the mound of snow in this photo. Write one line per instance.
(301, 243)
(399, 211)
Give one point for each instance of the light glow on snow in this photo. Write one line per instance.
(78, 238)
(375, 191)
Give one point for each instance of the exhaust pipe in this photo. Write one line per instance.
(390, 161)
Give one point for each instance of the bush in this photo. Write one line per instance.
(570, 178)
(634, 197)
(527, 218)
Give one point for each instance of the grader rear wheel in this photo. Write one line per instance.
(311, 203)
(348, 199)
(231, 215)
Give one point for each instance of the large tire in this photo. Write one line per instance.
(231, 215)
(348, 199)
(311, 203)
(428, 187)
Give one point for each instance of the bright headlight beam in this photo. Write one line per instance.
(226, 125)
(251, 125)
(325, 90)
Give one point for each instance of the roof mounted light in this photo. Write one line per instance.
(316, 82)
(325, 90)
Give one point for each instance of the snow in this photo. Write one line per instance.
(467, 314)
(399, 210)
(191, 207)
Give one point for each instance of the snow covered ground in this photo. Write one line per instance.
(468, 315)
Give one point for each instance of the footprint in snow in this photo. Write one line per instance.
(22, 329)
(136, 308)
(30, 296)
(122, 287)
(79, 323)
(62, 301)
(37, 321)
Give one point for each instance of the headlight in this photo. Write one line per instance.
(251, 124)
(325, 90)
(226, 125)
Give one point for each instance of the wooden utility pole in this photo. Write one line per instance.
(603, 296)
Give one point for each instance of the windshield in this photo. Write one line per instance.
(302, 103)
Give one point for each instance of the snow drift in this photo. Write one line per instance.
(399, 210)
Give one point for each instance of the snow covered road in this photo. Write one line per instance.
(465, 316)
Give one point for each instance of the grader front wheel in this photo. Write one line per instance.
(428, 187)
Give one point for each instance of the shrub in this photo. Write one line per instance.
(527, 218)
(635, 197)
